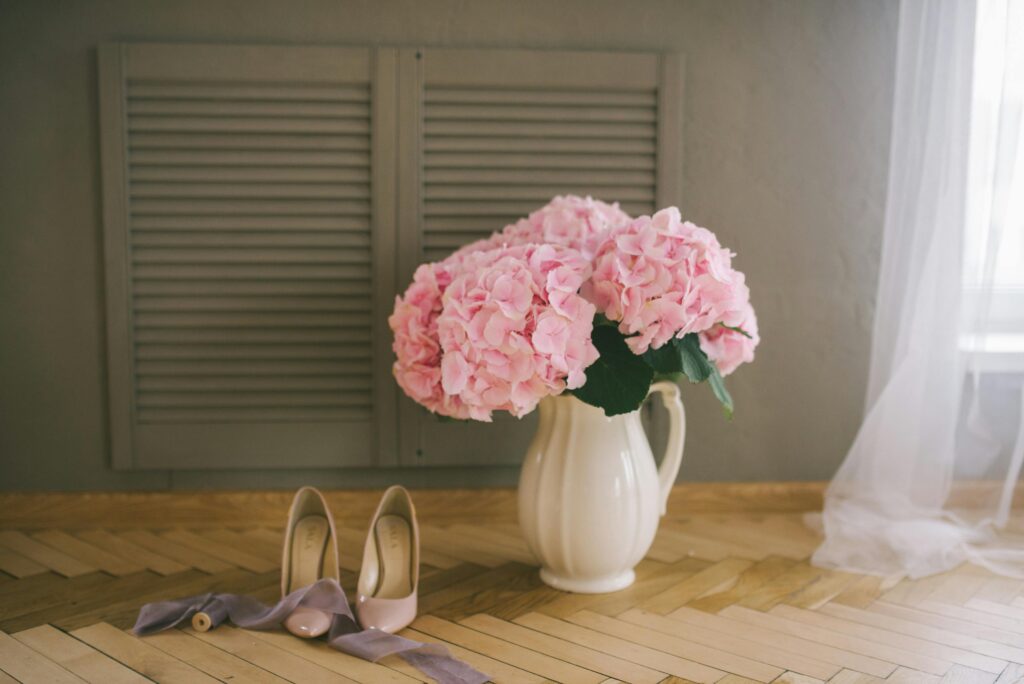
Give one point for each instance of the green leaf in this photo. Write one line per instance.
(718, 387)
(619, 380)
(694, 361)
(664, 359)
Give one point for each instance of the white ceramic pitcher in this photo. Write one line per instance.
(590, 495)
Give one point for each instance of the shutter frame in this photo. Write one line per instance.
(311, 227)
(527, 79)
(120, 359)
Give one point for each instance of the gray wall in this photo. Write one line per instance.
(787, 117)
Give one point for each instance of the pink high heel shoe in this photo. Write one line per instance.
(390, 574)
(310, 554)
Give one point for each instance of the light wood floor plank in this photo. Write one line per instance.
(271, 553)
(499, 672)
(28, 665)
(684, 648)
(538, 663)
(228, 554)
(652, 578)
(19, 566)
(903, 641)
(939, 635)
(77, 657)
(317, 651)
(905, 675)
(1011, 612)
(708, 548)
(845, 642)
(127, 550)
(456, 546)
(730, 643)
(977, 616)
(852, 677)
(606, 664)
(784, 642)
(496, 543)
(44, 555)
(140, 656)
(210, 659)
(695, 586)
(779, 588)
(747, 582)
(1001, 590)
(87, 553)
(177, 552)
(247, 646)
(627, 650)
(948, 623)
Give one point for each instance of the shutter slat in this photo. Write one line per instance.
(546, 177)
(256, 157)
(539, 194)
(220, 107)
(276, 414)
(563, 96)
(251, 383)
(251, 223)
(238, 174)
(273, 356)
(190, 90)
(247, 272)
(250, 368)
(244, 319)
(254, 255)
(509, 112)
(246, 141)
(144, 206)
(542, 145)
(191, 191)
(530, 162)
(326, 287)
(281, 124)
(234, 336)
(236, 400)
(263, 304)
(241, 239)
(249, 211)
(540, 129)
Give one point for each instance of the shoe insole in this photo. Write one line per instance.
(309, 544)
(394, 549)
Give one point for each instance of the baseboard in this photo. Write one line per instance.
(198, 509)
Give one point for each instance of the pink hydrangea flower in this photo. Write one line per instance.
(726, 346)
(580, 223)
(494, 330)
(661, 277)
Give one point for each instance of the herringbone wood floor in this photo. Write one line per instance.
(721, 597)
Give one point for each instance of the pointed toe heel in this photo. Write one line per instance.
(310, 553)
(387, 590)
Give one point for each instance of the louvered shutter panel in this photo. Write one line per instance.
(487, 136)
(249, 238)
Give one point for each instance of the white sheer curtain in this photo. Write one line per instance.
(929, 480)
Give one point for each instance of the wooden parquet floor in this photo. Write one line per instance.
(722, 597)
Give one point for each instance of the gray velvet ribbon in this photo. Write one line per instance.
(345, 634)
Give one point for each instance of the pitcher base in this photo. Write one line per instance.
(590, 585)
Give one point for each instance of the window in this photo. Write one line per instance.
(994, 263)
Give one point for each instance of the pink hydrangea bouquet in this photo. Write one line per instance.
(577, 297)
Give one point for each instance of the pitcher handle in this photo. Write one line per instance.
(673, 458)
